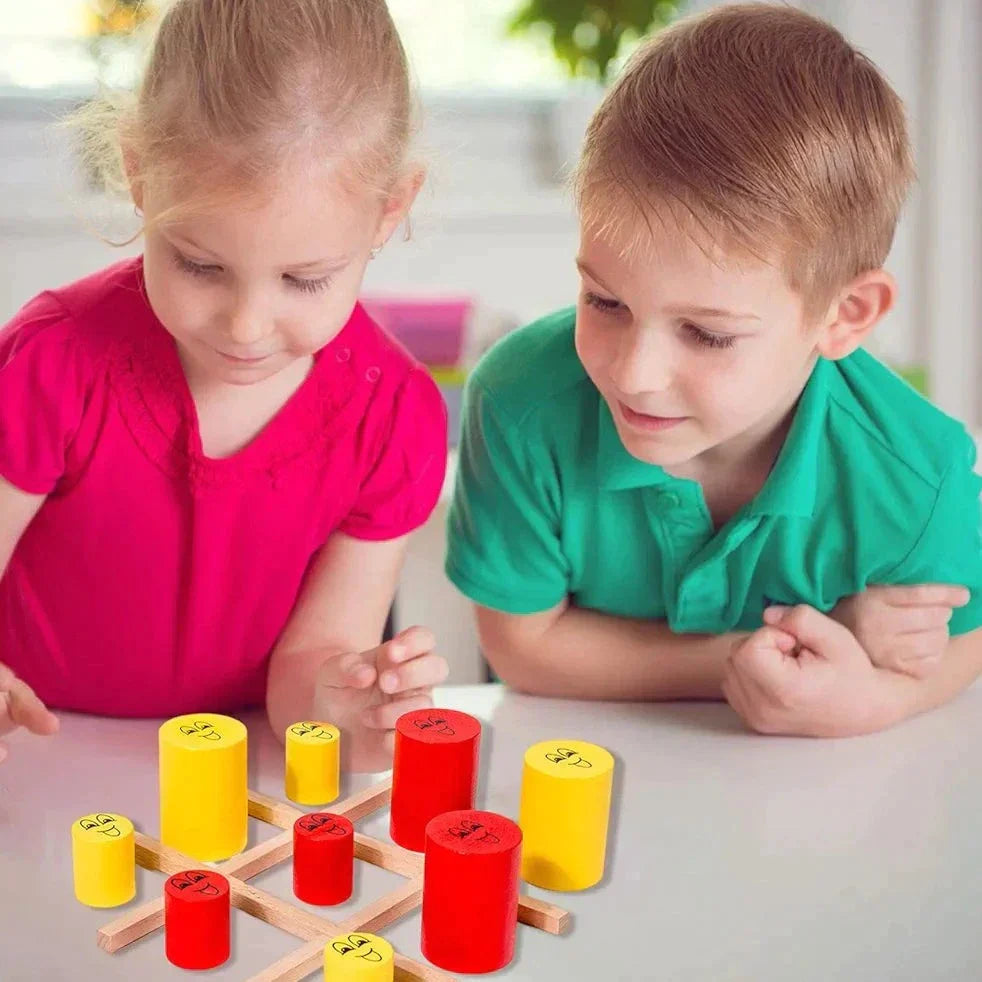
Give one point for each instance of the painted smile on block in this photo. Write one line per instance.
(195, 880)
(103, 824)
(314, 730)
(358, 945)
(323, 823)
(564, 755)
(201, 728)
(466, 829)
(437, 724)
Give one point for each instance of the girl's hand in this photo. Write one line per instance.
(19, 706)
(902, 628)
(364, 693)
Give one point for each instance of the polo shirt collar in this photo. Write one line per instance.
(790, 488)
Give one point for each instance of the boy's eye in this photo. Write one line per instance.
(708, 339)
(604, 304)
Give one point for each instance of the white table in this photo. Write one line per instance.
(733, 857)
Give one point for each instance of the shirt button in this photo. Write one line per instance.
(344, 354)
(373, 374)
(667, 501)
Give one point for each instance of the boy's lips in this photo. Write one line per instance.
(646, 421)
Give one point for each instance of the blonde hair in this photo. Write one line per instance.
(760, 126)
(235, 87)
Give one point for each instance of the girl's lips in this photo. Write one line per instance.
(643, 421)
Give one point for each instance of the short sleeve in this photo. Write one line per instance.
(504, 548)
(404, 483)
(41, 395)
(949, 549)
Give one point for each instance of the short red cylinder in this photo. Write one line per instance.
(197, 919)
(434, 770)
(470, 891)
(323, 858)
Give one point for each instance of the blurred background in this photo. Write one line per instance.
(507, 87)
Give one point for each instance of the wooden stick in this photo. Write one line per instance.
(546, 917)
(359, 805)
(379, 915)
(388, 856)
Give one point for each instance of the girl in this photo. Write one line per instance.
(210, 457)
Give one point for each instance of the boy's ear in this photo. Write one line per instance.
(856, 311)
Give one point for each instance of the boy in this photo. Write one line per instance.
(696, 484)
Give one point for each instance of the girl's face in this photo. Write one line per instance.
(248, 289)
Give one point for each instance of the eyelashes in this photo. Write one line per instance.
(204, 270)
(707, 339)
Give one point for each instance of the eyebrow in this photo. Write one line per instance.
(696, 311)
(332, 264)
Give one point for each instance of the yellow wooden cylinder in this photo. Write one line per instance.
(204, 796)
(104, 860)
(313, 763)
(564, 813)
(358, 958)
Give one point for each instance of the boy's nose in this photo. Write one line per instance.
(642, 364)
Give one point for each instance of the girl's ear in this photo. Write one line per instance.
(131, 167)
(399, 202)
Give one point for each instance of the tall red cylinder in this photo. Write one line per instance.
(470, 891)
(434, 770)
(323, 858)
(197, 919)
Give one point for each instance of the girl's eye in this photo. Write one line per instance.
(195, 269)
(603, 304)
(308, 286)
(708, 339)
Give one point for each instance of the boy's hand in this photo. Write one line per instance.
(902, 628)
(19, 706)
(805, 674)
(364, 693)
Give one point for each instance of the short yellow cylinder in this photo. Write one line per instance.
(313, 763)
(358, 958)
(564, 814)
(104, 860)
(204, 796)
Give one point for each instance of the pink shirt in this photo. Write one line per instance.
(155, 580)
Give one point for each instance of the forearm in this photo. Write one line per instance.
(589, 655)
(290, 686)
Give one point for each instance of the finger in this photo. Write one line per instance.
(407, 644)
(924, 644)
(384, 715)
(7, 677)
(25, 709)
(916, 620)
(815, 630)
(420, 673)
(926, 595)
(346, 671)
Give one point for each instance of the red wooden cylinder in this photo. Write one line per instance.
(323, 858)
(434, 770)
(197, 919)
(470, 891)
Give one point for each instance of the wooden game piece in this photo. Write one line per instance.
(358, 957)
(323, 858)
(313, 763)
(104, 860)
(564, 813)
(470, 891)
(197, 919)
(434, 770)
(204, 796)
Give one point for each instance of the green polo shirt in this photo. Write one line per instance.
(874, 485)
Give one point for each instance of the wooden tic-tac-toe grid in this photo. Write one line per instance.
(312, 928)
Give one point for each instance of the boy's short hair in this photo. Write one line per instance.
(761, 128)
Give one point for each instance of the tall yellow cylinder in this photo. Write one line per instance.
(358, 958)
(564, 814)
(313, 763)
(204, 796)
(104, 860)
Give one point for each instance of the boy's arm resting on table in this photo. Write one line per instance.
(573, 653)
(960, 666)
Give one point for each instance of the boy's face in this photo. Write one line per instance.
(691, 356)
